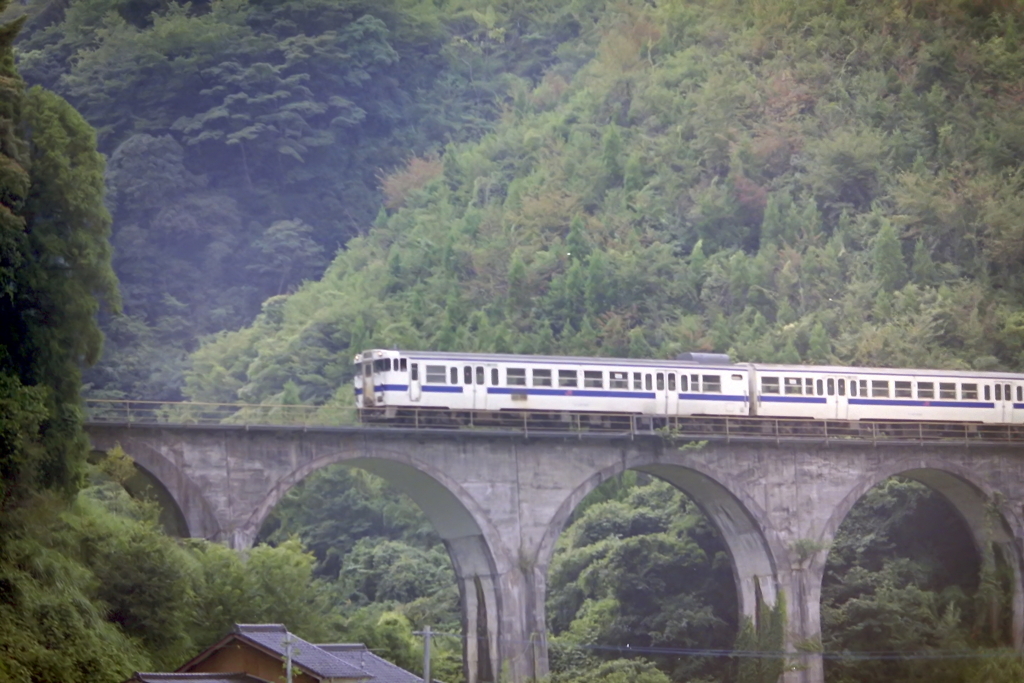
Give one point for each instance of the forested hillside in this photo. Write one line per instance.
(798, 181)
(245, 140)
(291, 182)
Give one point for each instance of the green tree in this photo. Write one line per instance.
(54, 263)
(762, 644)
(890, 270)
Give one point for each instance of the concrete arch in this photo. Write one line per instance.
(192, 506)
(479, 559)
(970, 495)
(144, 484)
(750, 542)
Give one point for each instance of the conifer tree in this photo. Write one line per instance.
(611, 152)
(576, 243)
(889, 268)
(923, 266)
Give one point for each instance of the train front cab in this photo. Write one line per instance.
(381, 380)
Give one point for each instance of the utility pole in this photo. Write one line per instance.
(288, 657)
(426, 633)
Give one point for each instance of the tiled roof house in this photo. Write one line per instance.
(380, 669)
(257, 653)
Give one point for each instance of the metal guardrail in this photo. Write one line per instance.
(528, 423)
(195, 413)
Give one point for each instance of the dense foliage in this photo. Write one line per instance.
(804, 181)
(246, 138)
(642, 569)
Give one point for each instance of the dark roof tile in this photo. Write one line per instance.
(313, 659)
(382, 670)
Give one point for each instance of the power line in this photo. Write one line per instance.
(845, 655)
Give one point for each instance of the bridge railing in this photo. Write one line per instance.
(528, 422)
(198, 413)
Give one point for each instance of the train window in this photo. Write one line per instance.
(542, 378)
(567, 378)
(682, 383)
(593, 379)
(712, 384)
(794, 385)
(988, 393)
(903, 390)
(479, 375)
(435, 374)
(415, 374)
(769, 385)
(947, 390)
(467, 375)
(853, 387)
(999, 392)
(1006, 392)
(515, 377)
(671, 381)
(378, 365)
(638, 382)
(494, 377)
(455, 375)
(402, 365)
(618, 380)
(821, 390)
(809, 386)
(830, 384)
(647, 382)
(1020, 393)
(925, 390)
(660, 377)
(880, 388)
(968, 391)
(387, 365)
(841, 384)
(863, 387)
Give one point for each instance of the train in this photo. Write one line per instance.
(390, 384)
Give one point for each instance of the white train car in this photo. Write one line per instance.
(702, 385)
(697, 384)
(843, 393)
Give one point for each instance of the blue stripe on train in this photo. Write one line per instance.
(922, 404)
(588, 393)
(438, 389)
(712, 397)
(792, 399)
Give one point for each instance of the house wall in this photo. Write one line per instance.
(240, 657)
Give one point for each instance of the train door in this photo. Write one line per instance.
(369, 390)
(414, 382)
(1003, 395)
(671, 394)
(837, 391)
(473, 383)
(661, 393)
(1016, 404)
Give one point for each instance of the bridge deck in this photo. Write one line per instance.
(187, 415)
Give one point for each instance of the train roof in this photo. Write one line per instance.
(716, 361)
(860, 370)
(710, 361)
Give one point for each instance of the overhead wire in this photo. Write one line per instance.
(845, 655)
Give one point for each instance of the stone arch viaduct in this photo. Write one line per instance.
(500, 501)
